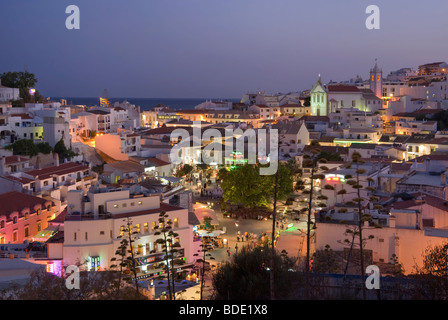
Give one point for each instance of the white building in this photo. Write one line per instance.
(94, 223)
(8, 94)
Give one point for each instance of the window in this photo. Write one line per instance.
(153, 225)
(38, 212)
(121, 231)
(74, 236)
(86, 236)
(101, 233)
(124, 205)
(27, 232)
(176, 223)
(14, 220)
(145, 227)
(2, 224)
(39, 226)
(14, 236)
(115, 205)
(45, 183)
(140, 203)
(137, 227)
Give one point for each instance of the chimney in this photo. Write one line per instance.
(38, 163)
(427, 163)
(392, 222)
(56, 159)
(3, 165)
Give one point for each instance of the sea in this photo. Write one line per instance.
(145, 103)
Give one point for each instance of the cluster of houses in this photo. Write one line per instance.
(79, 211)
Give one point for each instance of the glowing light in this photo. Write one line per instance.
(32, 92)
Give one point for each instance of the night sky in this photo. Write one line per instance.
(213, 48)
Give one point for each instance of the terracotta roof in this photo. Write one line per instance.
(415, 204)
(193, 111)
(16, 201)
(60, 217)
(162, 130)
(440, 157)
(158, 162)
(315, 118)
(22, 180)
(22, 115)
(163, 207)
(64, 168)
(126, 166)
(342, 88)
(15, 159)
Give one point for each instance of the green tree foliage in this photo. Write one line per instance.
(325, 261)
(185, 170)
(23, 81)
(244, 185)
(42, 285)
(126, 253)
(169, 247)
(62, 150)
(247, 276)
(27, 147)
(329, 156)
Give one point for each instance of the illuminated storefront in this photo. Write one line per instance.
(153, 265)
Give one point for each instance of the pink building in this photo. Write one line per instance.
(23, 216)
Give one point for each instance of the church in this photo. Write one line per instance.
(325, 99)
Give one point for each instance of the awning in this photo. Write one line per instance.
(171, 179)
(45, 234)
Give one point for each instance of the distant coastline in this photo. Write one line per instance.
(145, 103)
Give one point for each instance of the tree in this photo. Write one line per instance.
(355, 183)
(205, 248)
(329, 156)
(312, 163)
(244, 186)
(185, 170)
(24, 147)
(23, 81)
(62, 150)
(42, 285)
(126, 252)
(169, 245)
(325, 261)
(27, 147)
(247, 275)
(434, 273)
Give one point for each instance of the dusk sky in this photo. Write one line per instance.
(211, 48)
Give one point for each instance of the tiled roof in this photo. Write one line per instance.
(64, 168)
(126, 166)
(22, 180)
(162, 130)
(158, 162)
(315, 118)
(15, 159)
(17, 201)
(163, 207)
(342, 88)
(23, 116)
